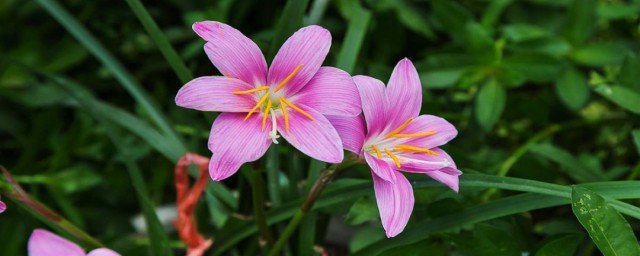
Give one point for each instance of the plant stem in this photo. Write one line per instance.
(265, 240)
(161, 41)
(325, 178)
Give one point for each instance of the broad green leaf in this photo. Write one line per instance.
(479, 42)
(564, 245)
(552, 46)
(613, 10)
(536, 67)
(441, 78)
(358, 18)
(573, 89)
(524, 32)
(581, 21)
(608, 229)
(599, 54)
(490, 102)
(629, 75)
(622, 96)
(365, 209)
(570, 165)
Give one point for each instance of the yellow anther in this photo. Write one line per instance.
(394, 157)
(408, 148)
(257, 105)
(284, 114)
(266, 113)
(412, 135)
(399, 129)
(296, 108)
(288, 78)
(261, 88)
(377, 151)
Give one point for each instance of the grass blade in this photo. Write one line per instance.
(169, 53)
(89, 41)
(356, 30)
(290, 21)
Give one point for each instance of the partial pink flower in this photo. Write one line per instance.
(290, 98)
(3, 207)
(393, 137)
(45, 243)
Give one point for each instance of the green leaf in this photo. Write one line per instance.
(536, 67)
(413, 18)
(365, 237)
(524, 32)
(451, 16)
(490, 240)
(600, 54)
(490, 102)
(629, 75)
(573, 89)
(636, 139)
(582, 20)
(570, 165)
(612, 10)
(290, 21)
(564, 245)
(170, 54)
(365, 209)
(493, 12)
(620, 95)
(126, 80)
(608, 229)
(441, 78)
(358, 18)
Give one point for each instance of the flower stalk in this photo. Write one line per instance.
(265, 240)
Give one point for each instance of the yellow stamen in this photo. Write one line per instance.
(288, 78)
(261, 88)
(377, 151)
(416, 149)
(395, 159)
(257, 105)
(266, 113)
(296, 108)
(412, 135)
(284, 114)
(396, 131)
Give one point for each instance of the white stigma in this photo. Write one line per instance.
(273, 134)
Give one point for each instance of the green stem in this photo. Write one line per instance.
(258, 206)
(161, 41)
(325, 178)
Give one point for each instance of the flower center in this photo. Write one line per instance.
(396, 147)
(275, 102)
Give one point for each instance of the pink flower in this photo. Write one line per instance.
(3, 207)
(291, 98)
(397, 138)
(45, 243)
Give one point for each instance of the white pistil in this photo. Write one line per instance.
(273, 134)
(445, 162)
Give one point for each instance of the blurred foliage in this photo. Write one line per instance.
(545, 90)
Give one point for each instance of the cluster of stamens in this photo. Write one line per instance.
(402, 147)
(282, 102)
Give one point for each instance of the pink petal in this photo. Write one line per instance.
(404, 94)
(103, 252)
(307, 47)
(423, 162)
(381, 168)
(214, 93)
(234, 142)
(445, 131)
(331, 92)
(447, 175)
(351, 131)
(3, 207)
(395, 203)
(232, 53)
(45, 243)
(316, 138)
(371, 92)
